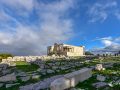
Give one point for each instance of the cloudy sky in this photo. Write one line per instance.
(27, 27)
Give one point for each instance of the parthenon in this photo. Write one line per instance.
(66, 50)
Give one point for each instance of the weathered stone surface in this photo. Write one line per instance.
(41, 85)
(24, 79)
(1, 84)
(35, 76)
(7, 71)
(50, 71)
(110, 84)
(4, 66)
(58, 70)
(92, 67)
(71, 79)
(99, 67)
(21, 74)
(0, 69)
(109, 65)
(100, 78)
(9, 77)
(10, 85)
(99, 84)
(39, 69)
(78, 76)
(12, 64)
(117, 82)
(60, 84)
(54, 68)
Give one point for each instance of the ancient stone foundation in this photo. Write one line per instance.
(71, 79)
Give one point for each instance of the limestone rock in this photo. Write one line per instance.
(60, 84)
(8, 77)
(71, 79)
(24, 79)
(21, 74)
(78, 76)
(7, 71)
(99, 84)
(50, 71)
(35, 76)
(41, 84)
(10, 85)
(1, 84)
(100, 78)
(99, 67)
(4, 66)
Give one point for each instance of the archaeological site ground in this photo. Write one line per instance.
(59, 73)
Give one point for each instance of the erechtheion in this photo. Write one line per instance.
(66, 50)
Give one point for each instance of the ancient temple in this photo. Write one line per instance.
(66, 50)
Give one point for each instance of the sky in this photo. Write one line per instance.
(27, 27)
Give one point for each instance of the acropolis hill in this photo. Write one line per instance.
(65, 67)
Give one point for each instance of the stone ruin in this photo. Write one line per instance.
(60, 82)
(30, 59)
(71, 79)
(99, 67)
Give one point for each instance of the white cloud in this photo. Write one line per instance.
(100, 11)
(109, 38)
(17, 4)
(117, 14)
(113, 43)
(117, 39)
(53, 26)
(19, 7)
(110, 44)
(107, 42)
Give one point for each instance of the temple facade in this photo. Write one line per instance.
(66, 50)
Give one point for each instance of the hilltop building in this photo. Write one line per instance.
(66, 50)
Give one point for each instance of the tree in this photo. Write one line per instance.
(5, 55)
(88, 53)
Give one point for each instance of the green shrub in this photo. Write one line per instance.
(5, 55)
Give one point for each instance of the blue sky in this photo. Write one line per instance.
(27, 27)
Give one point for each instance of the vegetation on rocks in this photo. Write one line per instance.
(5, 55)
(25, 66)
(112, 73)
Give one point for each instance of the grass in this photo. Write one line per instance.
(87, 84)
(26, 67)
